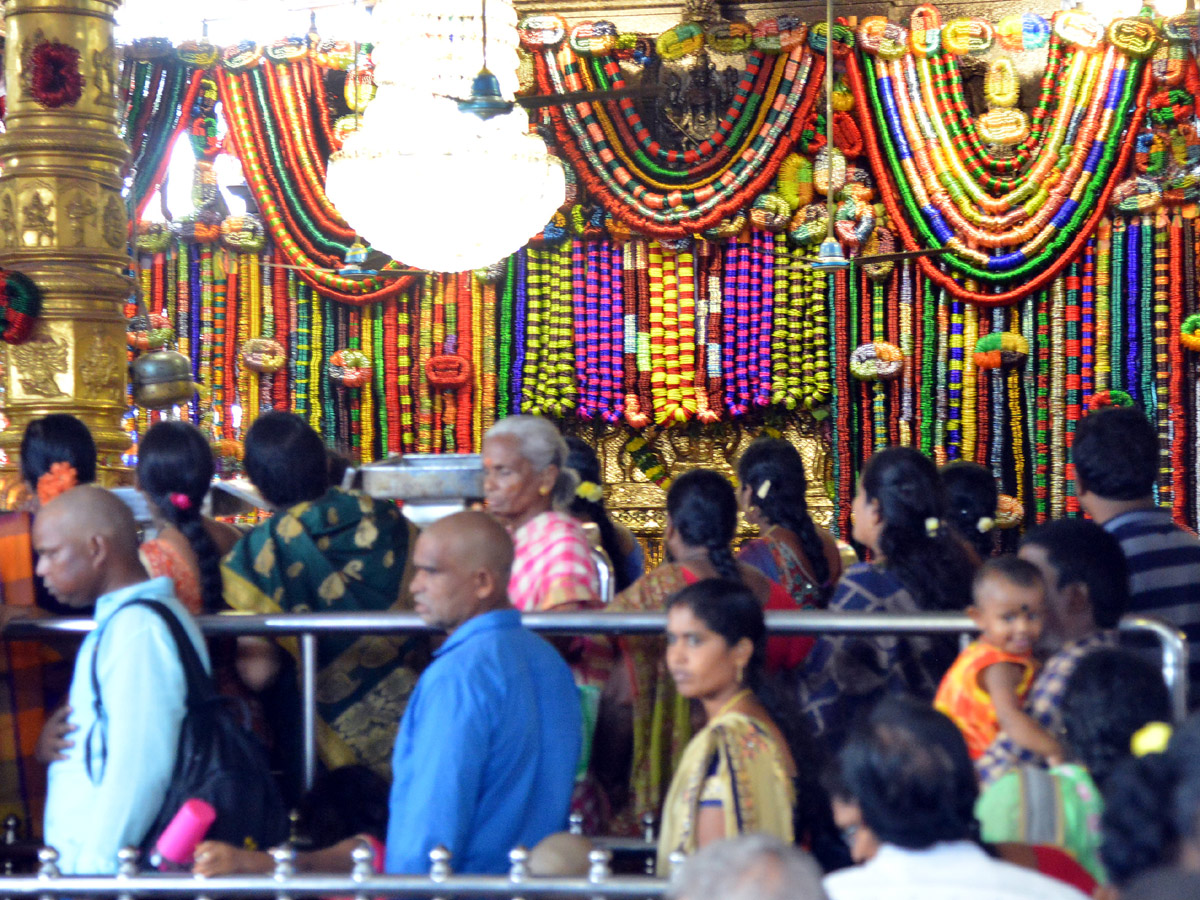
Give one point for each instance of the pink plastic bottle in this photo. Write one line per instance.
(177, 843)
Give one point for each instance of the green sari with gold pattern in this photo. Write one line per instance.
(345, 552)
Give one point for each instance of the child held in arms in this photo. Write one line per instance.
(984, 691)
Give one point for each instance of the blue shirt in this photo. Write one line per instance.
(486, 754)
(142, 685)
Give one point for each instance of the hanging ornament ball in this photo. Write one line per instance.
(770, 212)
(1189, 335)
(1101, 399)
(162, 378)
(263, 355)
(149, 332)
(1005, 350)
(1010, 513)
(349, 368)
(877, 361)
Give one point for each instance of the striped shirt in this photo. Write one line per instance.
(1164, 572)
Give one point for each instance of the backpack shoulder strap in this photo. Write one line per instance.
(199, 684)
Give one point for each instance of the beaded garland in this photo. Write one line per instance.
(577, 329)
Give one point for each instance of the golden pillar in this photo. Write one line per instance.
(62, 217)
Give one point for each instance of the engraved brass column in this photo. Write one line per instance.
(62, 218)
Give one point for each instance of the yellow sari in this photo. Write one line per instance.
(734, 762)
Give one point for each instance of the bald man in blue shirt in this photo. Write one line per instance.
(486, 754)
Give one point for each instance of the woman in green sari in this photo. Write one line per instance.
(327, 550)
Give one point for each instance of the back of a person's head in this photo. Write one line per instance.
(971, 499)
(929, 561)
(174, 458)
(774, 472)
(1083, 552)
(1116, 453)
(703, 510)
(1152, 807)
(286, 459)
(583, 459)
(1110, 695)
(57, 438)
(907, 767)
(751, 867)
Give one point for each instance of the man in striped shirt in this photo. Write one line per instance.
(1117, 455)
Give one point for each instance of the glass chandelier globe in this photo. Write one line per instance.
(431, 185)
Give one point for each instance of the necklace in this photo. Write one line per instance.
(732, 702)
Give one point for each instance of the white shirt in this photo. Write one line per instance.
(954, 870)
(144, 693)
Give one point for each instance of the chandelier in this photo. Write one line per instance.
(431, 184)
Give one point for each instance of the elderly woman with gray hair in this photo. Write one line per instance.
(526, 484)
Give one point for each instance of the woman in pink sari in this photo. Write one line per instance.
(526, 483)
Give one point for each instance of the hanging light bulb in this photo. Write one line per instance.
(442, 173)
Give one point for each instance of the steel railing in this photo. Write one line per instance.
(361, 884)
(308, 626)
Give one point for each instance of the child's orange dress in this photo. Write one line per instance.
(963, 699)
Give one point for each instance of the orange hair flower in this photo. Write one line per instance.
(60, 479)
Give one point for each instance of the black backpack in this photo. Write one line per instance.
(218, 760)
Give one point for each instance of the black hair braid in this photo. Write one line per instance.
(722, 560)
(775, 462)
(208, 557)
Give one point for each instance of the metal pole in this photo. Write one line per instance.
(1174, 648)
(308, 700)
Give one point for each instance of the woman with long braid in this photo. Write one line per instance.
(791, 548)
(917, 565)
(643, 714)
(175, 469)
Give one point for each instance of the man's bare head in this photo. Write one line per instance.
(86, 540)
(462, 567)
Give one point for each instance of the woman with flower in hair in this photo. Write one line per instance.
(791, 548)
(175, 468)
(917, 565)
(57, 453)
(624, 552)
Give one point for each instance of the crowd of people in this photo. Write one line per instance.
(1039, 761)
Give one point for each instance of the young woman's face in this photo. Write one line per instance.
(700, 660)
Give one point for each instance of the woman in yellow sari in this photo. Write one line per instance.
(737, 774)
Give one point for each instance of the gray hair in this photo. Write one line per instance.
(750, 867)
(542, 444)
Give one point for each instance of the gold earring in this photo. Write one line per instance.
(544, 491)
